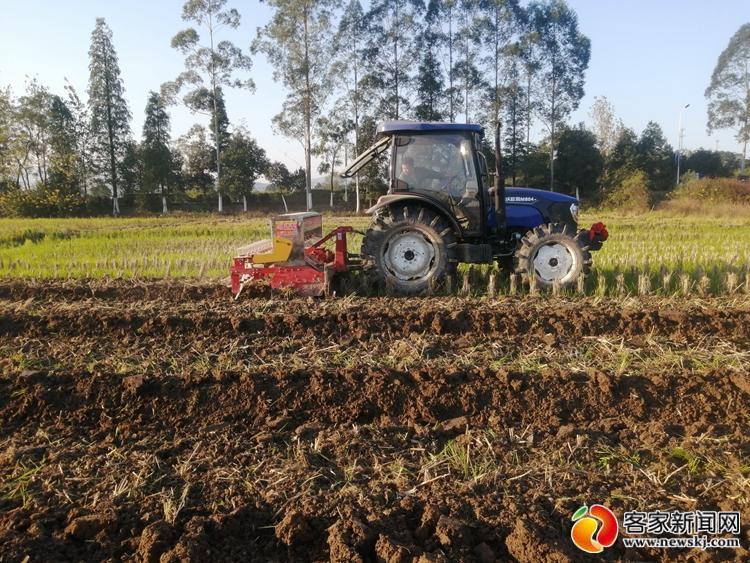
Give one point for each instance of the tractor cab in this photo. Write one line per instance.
(440, 164)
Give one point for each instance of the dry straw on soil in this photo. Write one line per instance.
(161, 421)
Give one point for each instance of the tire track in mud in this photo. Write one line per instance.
(364, 319)
(173, 291)
(273, 399)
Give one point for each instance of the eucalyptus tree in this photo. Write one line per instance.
(32, 132)
(199, 159)
(298, 42)
(605, 124)
(108, 110)
(349, 43)
(562, 55)
(333, 134)
(449, 10)
(430, 82)
(6, 139)
(516, 118)
(81, 134)
(466, 66)
(392, 53)
(210, 64)
(500, 22)
(729, 92)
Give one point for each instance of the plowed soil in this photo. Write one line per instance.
(166, 422)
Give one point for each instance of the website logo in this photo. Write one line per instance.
(595, 528)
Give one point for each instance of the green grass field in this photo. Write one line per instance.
(645, 254)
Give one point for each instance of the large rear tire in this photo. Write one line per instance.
(408, 249)
(553, 254)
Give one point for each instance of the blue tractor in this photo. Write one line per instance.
(440, 210)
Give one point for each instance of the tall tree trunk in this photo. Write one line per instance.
(308, 166)
(220, 199)
(514, 133)
(497, 65)
(396, 35)
(451, 109)
(332, 161)
(747, 116)
(356, 119)
(111, 139)
(553, 118)
(308, 118)
(466, 81)
(346, 165)
(356, 187)
(112, 164)
(528, 122)
(395, 71)
(552, 165)
(244, 203)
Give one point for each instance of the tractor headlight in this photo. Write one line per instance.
(574, 211)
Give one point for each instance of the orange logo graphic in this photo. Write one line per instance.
(595, 528)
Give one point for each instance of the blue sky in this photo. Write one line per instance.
(648, 57)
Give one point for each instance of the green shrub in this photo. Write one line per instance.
(40, 202)
(714, 190)
(629, 192)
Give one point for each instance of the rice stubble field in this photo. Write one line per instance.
(159, 420)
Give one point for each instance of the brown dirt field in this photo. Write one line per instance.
(164, 422)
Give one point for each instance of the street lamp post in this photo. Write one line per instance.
(680, 135)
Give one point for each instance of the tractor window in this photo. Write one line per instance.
(438, 163)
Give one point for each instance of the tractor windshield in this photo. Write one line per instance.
(441, 163)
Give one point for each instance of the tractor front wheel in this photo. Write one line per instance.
(408, 249)
(552, 254)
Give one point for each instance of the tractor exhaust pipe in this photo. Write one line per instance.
(499, 182)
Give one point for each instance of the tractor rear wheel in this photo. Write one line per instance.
(408, 249)
(553, 254)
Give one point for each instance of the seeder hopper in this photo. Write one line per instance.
(296, 256)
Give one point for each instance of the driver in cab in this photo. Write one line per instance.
(436, 178)
(417, 177)
(408, 174)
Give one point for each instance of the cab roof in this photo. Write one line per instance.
(392, 127)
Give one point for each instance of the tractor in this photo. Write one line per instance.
(440, 210)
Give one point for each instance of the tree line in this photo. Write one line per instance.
(344, 68)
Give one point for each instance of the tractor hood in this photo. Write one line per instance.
(530, 196)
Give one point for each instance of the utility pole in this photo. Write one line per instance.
(680, 137)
